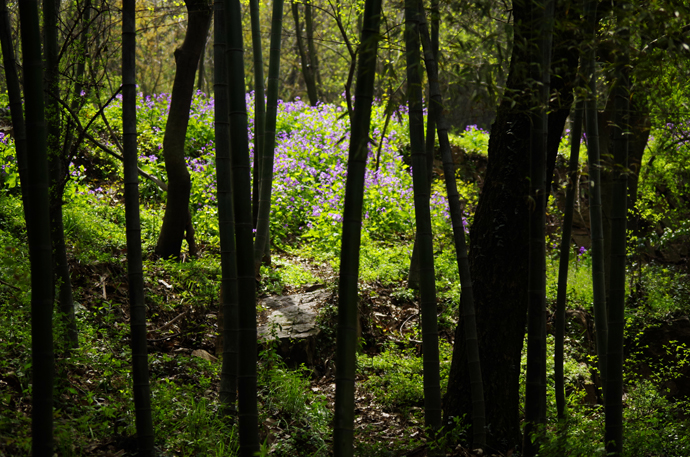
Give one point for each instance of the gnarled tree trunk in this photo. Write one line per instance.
(498, 255)
(177, 219)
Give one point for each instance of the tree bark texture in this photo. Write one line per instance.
(499, 257)
(38, 231)
(177, 218)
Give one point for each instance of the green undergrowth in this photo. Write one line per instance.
(579, 293)
(394, 376)
(94, 410)
(298, 418)
(655, 425)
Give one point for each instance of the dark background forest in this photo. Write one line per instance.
(345, 228)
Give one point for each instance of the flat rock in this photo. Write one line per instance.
(291, 316)
(292, 320)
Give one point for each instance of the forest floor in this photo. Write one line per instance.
(93, 399)
(183, 339)
(190, 330)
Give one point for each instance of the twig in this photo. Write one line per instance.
(403, 324)
(162, 185)
(168, 324)
(10, 285)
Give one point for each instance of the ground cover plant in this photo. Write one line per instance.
(93, 398)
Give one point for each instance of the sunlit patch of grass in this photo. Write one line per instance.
(285, 273)
(95, 231)
(472, 140)
(384, 262)
(579, 280)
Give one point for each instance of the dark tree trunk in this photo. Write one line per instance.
(605, 121)
(467, 298)
(427, 282)
(311, 45)
(565, 58)
(200, 74)
(535, 377)
(576, 134)
(430, 146)
(307, 69)
(346, 343)
(640, 127)
(177, 219)
(227, 317)
(242, 205)
(58, 175)
(261, 241)
(259, 105)
(38, 230)
(135, 275)
(498, 257)
(616, 304)
(595, 191)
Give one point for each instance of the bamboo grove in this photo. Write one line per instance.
(560, 52)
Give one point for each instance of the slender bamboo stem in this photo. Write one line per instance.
(570, 194)
(38, 231)
(135, 275)
(346, 342)
(241, 183)
(269, 142)
(596, 222)
(226, 218)
(259, 105)
(467, 296)
(535, 378)
(432, 385)
(613, 402)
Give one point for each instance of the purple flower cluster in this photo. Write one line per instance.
(310, 167)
